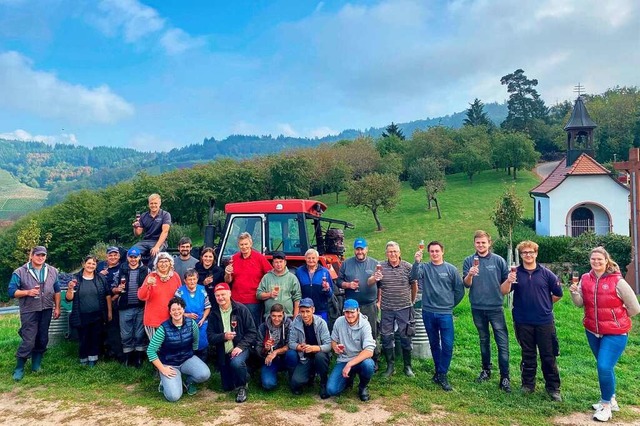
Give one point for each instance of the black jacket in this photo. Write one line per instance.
(103, 291)
(123, 300)
(245, 331)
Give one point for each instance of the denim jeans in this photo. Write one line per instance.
(482, 318)
(269, 373)
(534, 339)
(234, 372)
(305, 371)
(439, 329)
(132, 330)
(194, 370)
(337, 383)
(607, 350)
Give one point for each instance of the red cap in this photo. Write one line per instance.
(221, 286)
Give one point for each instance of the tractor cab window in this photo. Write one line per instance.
(283, 233)
(238, 225)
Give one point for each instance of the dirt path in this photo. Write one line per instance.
(27, 410)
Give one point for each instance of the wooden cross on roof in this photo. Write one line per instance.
(579, 89)
(632, 166)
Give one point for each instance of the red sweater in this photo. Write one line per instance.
(247, 274)
(604, 311)
(157, 298)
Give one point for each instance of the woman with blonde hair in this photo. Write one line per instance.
(157, 289)
(609, 303)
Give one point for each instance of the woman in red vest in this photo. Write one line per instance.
(609, 303)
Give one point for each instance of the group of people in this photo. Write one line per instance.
(287, 320)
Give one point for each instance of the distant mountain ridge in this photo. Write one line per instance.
(64, 168)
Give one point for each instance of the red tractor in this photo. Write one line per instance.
(290, 226)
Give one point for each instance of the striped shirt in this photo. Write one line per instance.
(395, 286)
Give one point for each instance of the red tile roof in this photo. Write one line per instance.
(584, 165)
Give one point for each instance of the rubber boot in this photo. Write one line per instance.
(406, 357)
(138, 359)
(36, 361)
(18, 373)
(390, 355)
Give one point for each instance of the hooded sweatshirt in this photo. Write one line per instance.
(355, 338)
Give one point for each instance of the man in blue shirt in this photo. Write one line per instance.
(35, 285)
(535, 291)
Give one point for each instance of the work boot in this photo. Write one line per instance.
(137, 359)
(36, 361)
(363, 393)
(18, 373)
(128, 359)
(505, 384)
(390, 355)
(406, 357)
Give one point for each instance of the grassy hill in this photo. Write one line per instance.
(465, 208)
(16, 199)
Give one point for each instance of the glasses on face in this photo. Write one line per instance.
(527, 253)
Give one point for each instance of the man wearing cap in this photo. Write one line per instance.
(244, 272)
(184, 261)
(442, 290)
(310, 338)
(357, 280)
(397, 296)
(272, 347)
(280, 286)
(352, 340)
(35, 285)
(108, 268)
(233, 332)
(127, 281)
(155, 224)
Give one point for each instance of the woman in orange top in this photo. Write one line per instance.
(156, 291)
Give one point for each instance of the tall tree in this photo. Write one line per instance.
(524, 102)
(515, 150)
(374, 192)
(474, 151)
(393, 130)
(476, 115)
(428, 172)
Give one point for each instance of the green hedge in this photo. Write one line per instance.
(571, 250)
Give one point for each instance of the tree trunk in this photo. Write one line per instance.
(337, 192)
(435, 200)
(509, 170)
(514, 173)
(428, 200)
(375, 217)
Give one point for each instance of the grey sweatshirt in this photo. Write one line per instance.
(442, 286)
(484, 292)
(355, 338)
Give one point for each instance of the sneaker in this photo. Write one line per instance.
(555, 396)
(241, 396)
(444, 383)
(483, 376)
(435, 379)
(604, 414)
(505, 384)
(191, 389)
(614, 405)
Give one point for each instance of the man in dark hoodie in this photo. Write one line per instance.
(272, 347)
(442, 290)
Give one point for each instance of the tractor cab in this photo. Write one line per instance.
(291, 226)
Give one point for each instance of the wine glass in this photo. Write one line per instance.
(421, 245)
(37, 287)
(123, 282)
(276, 288)
(357, 281)
(325, 283)
(75, 285)
(476, 262)
(303, 357)
(514, 268)
(234, 323)
(575, 277)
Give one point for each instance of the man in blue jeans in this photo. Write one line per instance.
(485, 274)
(272, 346)
(442, 290)
(352, 340)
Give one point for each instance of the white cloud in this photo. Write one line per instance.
(321, 132)
(130, 17)
(286, 129)
(136, 21)
(23, 135)
(43, 93)
(175, 41)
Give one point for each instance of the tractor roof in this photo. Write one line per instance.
(313, 207)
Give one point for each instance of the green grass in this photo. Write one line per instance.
(465, 208)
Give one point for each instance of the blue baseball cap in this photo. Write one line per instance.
(307, 302)
(350, 305)
(360, 243)
(133, 251)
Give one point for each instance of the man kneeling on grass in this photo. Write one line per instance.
(171, 351)
(352, 340)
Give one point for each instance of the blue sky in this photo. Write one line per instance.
(159, 74)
